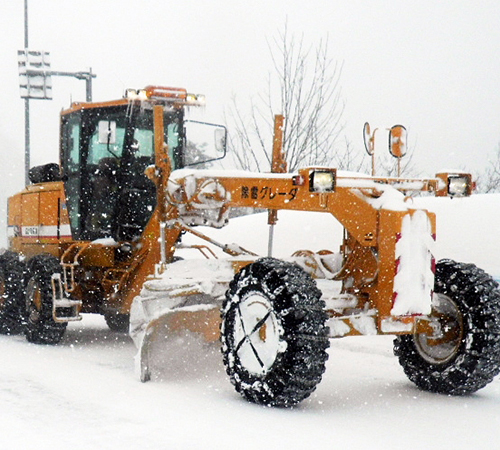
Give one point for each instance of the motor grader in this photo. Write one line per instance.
(103, 231)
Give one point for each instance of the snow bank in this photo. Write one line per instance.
(467, 229)
(88, 382)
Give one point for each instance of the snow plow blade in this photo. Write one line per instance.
(201, 320)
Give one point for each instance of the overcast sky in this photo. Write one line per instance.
(433, 66)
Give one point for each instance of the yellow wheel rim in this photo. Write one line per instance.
(37, 298)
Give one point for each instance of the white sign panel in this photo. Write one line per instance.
(34, 74)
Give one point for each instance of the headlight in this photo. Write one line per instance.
(322, 181)
(454, 184)
(195, 99)
(458, 186)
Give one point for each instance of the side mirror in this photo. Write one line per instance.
(204, 142)
(107, 132)
(368, 139)
(220, 140)
(397, 141)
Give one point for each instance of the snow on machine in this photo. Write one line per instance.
(101, 233)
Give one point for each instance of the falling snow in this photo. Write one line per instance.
(84, 393)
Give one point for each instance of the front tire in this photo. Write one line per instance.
(117, 322)
(274, 334)
(12, 291)
(463, 355)
(40, 325)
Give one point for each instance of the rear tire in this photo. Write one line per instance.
(273, 333)
(117, 322)
(12, 291)
(465, 355)
(40, 325)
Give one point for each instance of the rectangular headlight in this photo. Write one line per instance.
(322, 181)
(458, 186)
(196, 99)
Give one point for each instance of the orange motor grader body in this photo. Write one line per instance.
(100, 215)
(99, 233)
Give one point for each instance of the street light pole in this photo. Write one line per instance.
(35, 82)
(87, 76)
(26, 107)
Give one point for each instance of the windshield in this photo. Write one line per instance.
(105, 154)
(128, 136)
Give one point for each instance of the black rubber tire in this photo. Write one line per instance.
(293, 317)
(117, 322)
(470, 358)
(12, 291)
(40, 325)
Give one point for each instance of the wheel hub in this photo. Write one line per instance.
(34, 301)
(257, 334)
(442, 345)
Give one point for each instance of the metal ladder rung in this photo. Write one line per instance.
(60, 301)
(67, 303)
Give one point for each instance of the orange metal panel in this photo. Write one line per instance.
(78, 106)
(30, 212)
(14, 207)
(146, 268)
(49, 208)
(38, 220)
(352, 211)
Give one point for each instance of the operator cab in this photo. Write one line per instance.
(106, 147)
(104, 153)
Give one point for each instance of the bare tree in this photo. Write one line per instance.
(387, 166)
(307, 81)
(489, 180)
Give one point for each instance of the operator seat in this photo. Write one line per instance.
(102, 205)
(137, 199)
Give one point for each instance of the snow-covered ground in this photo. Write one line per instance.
(84, 393)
